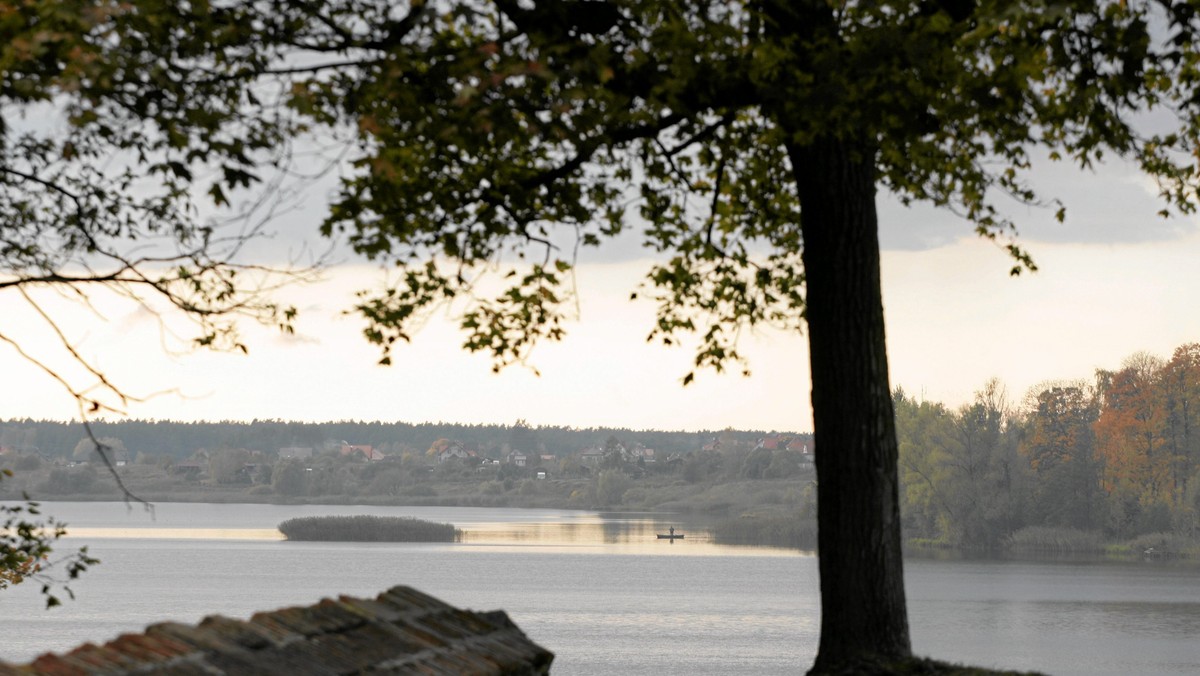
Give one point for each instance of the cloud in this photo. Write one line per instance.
(1114, 204)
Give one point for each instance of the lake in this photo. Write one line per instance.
(602, 593)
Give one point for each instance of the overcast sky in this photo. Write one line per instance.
(1114, 280)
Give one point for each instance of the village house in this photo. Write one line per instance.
(640, 452)
(517, 458)
(771, 442)
(295, 453)
(188, 469)
(367, 452)
(592, 456)
(454, 451)
(801, 444)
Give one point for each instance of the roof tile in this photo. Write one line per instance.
(402, 631)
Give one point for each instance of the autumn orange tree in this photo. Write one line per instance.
(1146, 435)
(1132, 427)
(1182, 384)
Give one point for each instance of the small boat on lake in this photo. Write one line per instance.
(671, 535)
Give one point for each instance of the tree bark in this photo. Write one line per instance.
(863, 612)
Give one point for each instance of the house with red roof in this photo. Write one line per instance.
(367, 452)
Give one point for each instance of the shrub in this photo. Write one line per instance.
(26, 463)
(610, 486)
(1163, 544)
(777, 531)
(492, 488)
(367, 529)
(69, 481)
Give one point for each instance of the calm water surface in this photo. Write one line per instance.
(602, 593)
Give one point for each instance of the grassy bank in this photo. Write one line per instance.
(367, 529)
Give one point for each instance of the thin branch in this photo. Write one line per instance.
(716, 200)
(529, 237)
(674, 167)
(329, 23)
(400, 30)
(48, 184)
(101, 450)
(702, 135)
(92, 404)
(589, 147)
(252, 74)
(71, 348)
(57, 278)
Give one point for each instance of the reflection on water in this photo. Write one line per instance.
(626, 536)
(633, 535)
(589, 530)
(177, 533)
(497, 529)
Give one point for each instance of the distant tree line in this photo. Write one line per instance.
(1118, 457)
(179, 440)
(723, 476)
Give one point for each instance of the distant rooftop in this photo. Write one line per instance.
(401, 631)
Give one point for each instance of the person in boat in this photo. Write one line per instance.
(672, 531)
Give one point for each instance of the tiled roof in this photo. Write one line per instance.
(402, 631)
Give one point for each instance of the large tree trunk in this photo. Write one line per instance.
(863, 614)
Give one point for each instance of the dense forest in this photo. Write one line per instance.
(1074, 465)
(180, 440)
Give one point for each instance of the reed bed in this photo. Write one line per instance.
(367, 529)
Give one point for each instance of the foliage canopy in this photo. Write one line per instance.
(484, 133)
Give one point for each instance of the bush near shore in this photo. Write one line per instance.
(796, 530)
(1075, 542)
(367, 529)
